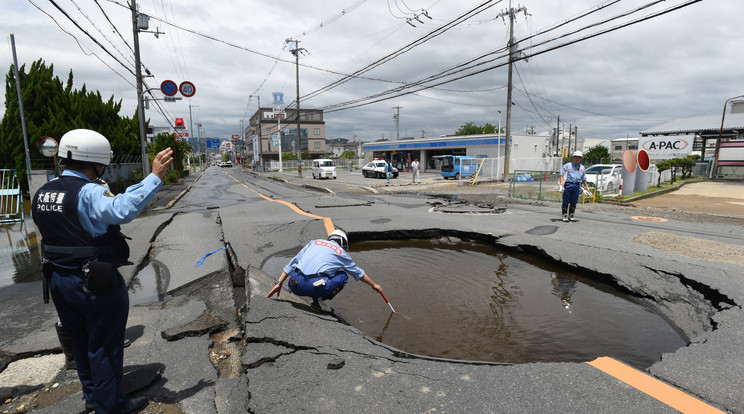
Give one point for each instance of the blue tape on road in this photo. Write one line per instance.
(207, 255)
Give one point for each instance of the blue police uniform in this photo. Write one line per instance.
(575, 175)
(78, 221)
(321, 270)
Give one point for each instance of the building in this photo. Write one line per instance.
(706, 130)
(265, 124)
(528, 152)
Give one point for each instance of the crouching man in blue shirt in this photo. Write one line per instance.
(320, 270)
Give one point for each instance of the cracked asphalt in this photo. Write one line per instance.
(215, 344)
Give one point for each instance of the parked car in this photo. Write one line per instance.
(605, 177)
(377, 169)
(226, 164)
(324, 168)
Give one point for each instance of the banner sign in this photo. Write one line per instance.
(667, 147)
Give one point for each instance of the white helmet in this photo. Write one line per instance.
(578, 154)
(339, 237)
(86, 146)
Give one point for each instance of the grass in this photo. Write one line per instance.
(653, 188)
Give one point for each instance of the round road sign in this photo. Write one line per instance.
(168, 87)
(187, 89)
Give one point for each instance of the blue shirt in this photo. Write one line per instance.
(98, 208)
(575, 173)
(323, 256)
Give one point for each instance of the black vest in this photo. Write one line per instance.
(64, 242)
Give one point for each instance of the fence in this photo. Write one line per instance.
(291, 165)
(11, 199)
(539, 185)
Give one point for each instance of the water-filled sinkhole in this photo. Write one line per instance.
(472, 301)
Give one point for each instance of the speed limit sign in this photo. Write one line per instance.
(187, 89)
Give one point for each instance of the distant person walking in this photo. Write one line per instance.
(573, 174)
(415, 171)
(389, 172)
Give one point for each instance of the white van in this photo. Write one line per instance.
(324, 168)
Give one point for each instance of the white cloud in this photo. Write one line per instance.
(681, 64)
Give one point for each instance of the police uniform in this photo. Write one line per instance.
(575, 175)
(79, 224)
(321, 270)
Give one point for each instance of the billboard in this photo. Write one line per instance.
(667, 147)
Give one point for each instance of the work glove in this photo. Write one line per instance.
(587, 193)
(560, 188)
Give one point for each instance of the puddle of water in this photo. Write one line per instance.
(474, 302)
(150, 284)
(19, 254)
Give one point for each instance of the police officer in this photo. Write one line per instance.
(572, 176)
(82, 246)
(320, 270)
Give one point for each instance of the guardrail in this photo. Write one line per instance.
(11, 199)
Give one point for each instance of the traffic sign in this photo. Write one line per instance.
(213, 142)
(187, 89)
(168, 87)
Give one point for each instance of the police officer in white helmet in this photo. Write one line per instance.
(82, 246)
(573, 174)
(320, 270)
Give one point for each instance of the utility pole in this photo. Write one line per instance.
(140, 106)
(23, 116)
(396, 119)
(296, 52)
(512, 52)
(557, 135)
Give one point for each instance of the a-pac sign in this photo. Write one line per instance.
(667, 147)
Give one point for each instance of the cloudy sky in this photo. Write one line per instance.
(611, 69)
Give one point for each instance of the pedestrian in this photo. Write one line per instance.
(82, 247)
(415, 171)
(389, 171)
(320, 270)
(572, 176)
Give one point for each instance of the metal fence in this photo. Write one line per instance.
(538, 185)
(11, 199)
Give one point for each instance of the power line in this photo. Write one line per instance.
(393, 93)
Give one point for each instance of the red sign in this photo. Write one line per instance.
(235, 137)
(187, 89)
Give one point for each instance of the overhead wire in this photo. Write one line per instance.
(382, 95)
(79, 44)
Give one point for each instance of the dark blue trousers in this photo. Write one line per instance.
(302, 285)
(96, 325)
(571, 194)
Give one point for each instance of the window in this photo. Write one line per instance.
(317, 145)
(631, 146)
(317, 131)
(618, 147)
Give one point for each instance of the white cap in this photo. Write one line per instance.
(578, 154)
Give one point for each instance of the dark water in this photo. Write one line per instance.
(20, 259)
(474, 302)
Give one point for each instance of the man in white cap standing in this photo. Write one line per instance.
(573, 174)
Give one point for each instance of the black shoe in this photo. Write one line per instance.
(320, 306)
(135, 405)
(89, 407)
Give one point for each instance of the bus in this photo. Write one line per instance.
(454, 166)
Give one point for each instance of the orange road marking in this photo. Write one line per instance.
(653, 387)
(327, 222)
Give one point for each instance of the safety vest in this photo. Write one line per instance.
(64, 242)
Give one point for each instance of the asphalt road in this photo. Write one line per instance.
(215, 344)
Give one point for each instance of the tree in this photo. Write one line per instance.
(471, 128)
(52, 108)
(348, 154)
(598, 155)
(661, 167)
(164, 140)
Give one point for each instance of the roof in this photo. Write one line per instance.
(698, 124)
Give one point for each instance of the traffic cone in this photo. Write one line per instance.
(620, 190)
(545, 177)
